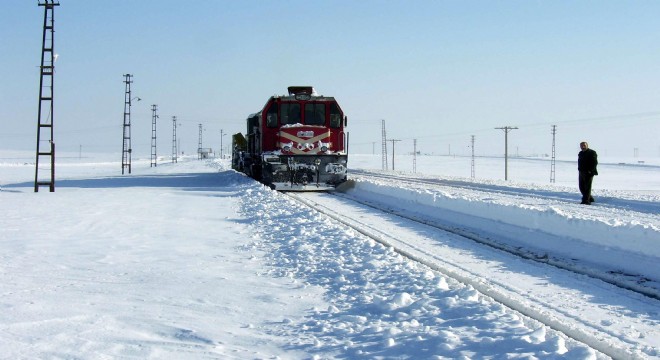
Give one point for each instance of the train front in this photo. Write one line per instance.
(304, 145)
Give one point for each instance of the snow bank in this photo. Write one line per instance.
(624, 239)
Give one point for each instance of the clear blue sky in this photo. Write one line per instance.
(436, 71)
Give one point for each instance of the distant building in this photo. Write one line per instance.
(205, 153)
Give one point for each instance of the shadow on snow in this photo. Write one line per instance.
(185, 181)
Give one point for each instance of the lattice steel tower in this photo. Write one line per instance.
(174, 147)
(414, 155)
(154, 116)
(552, 162)
(384, 145)
(472, 163)
(127, 150)
(45, 141)
(199, 144)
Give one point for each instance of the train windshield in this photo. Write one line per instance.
(315, 114)
(290, 113)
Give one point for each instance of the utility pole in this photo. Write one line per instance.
(384, 145)
(506, 149)
(472, 164)
(393, 141)
(46, 96)
(174, 147)
(414, 155)
(154, 116)
(222, 134)
(552, 161)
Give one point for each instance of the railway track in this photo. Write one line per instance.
(623, 281)
(492, 284)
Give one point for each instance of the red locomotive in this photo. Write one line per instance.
(296, 142)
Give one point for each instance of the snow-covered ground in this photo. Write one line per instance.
(191, 260)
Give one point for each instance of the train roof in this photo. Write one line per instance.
(303, 93)
(298, 93)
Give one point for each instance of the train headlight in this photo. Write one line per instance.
(286, 148)
(324, 148)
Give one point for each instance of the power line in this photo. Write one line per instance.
(627, 118)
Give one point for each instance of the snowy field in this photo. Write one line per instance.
(191, 260)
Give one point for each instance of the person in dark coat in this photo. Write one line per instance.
(587, 161)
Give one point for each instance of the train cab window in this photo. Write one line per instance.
(314, 114)
(271, 116)
(335, 116)
(290, 113)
